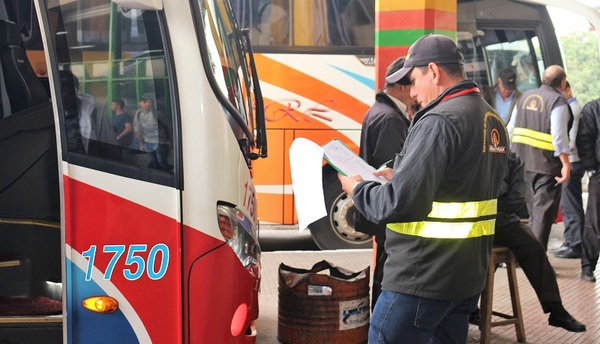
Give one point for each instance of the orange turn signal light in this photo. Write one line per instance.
(100, 304)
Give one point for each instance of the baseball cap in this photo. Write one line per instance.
(395, 66)
(434, 48)
(509, 78)
(148, 96)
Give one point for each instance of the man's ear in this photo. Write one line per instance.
(434, 69)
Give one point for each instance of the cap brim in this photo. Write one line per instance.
(398, 75)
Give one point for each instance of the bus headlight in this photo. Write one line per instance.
(240, 233)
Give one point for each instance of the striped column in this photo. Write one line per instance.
(399, 23)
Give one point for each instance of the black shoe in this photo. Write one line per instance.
(587, 275)
(568, 253)
(475, 317)
(559, 317)
(562, 247)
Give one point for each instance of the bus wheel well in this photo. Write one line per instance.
(336, 230)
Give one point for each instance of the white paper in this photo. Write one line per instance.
(348, 163)
(306, 160)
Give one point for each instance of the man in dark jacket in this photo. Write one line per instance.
(383, 133)
(530, 253)
(440, 203)
(588, 147)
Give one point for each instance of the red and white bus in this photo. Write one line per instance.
(149, 240)
(315, 59)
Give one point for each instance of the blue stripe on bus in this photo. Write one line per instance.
(86, 326)
(370, 83)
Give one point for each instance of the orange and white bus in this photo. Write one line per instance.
(315, 59)
(153, 240)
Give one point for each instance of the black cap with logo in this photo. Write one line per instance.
(509, 78)
(434, 48)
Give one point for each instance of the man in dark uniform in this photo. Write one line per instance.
(440, 203)
(571, 200)
(541, 138)
(531, 255)
(588, 147)
(383, 133)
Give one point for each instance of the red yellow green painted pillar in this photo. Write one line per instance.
(399, 23)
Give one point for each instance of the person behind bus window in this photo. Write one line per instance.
(358, 18)
(122, 123)
(149, 134)
(272, 25)
(80, 114)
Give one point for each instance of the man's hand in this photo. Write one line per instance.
(565, 171)
(386, 173)
(348, 183)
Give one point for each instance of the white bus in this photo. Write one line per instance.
(149, 239)
(315, 59)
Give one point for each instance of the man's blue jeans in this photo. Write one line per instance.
(401, 318)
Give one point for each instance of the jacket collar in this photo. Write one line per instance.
(463, 87)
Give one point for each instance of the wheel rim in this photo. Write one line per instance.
(342, 220)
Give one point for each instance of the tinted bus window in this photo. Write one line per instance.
(114, 84)
(494, 49)
(343, 23)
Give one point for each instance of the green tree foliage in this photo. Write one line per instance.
(582, 63)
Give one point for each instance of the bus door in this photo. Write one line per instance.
(109, 73)
(494, 36)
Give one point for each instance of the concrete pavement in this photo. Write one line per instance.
(580, 298)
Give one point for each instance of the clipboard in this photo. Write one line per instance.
(347, 163)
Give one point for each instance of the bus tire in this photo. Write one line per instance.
(336, 230)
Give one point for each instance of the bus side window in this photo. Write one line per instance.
(100, 61)
(359, 18)
(514, 49)
(271, 23)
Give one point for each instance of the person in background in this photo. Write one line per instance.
(504, 95)
(272, 24)
(588, 148)
(529, 251)
(571, 202)
(439, 222)
(541, 137)
(149, 134)
(384, 130)
(80, 115)
(122, 123)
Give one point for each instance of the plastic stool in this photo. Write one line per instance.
(501, 255)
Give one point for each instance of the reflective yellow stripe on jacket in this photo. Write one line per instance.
(476, 215)
(533, 138)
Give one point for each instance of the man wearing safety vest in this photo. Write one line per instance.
(541, 137)
(440, 204)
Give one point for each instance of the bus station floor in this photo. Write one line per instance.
(580, 298)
